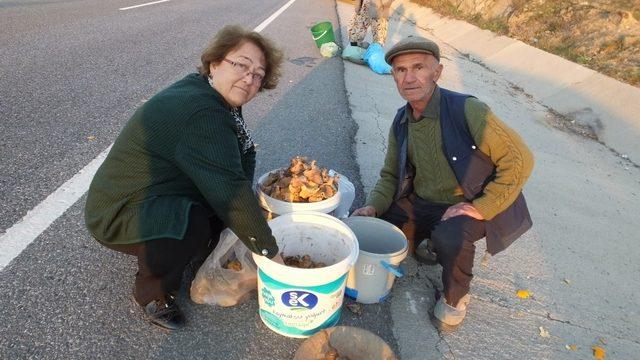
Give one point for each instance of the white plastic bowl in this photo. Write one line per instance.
(280, 207)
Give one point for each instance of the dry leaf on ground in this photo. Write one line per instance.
(572, 347)
(543, 332)
(355, 308)
(91, 137)
(485, 259)
(598, 352)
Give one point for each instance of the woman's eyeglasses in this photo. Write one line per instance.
(244, 70)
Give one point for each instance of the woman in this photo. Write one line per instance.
(372, 14)
(182, 169)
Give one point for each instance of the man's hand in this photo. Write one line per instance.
(462, 208)
(278, 258)
(365, 211)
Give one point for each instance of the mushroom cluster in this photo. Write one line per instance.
(234, 265)
(303, 181)
(302, 262)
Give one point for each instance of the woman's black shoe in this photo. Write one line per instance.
(165, 313)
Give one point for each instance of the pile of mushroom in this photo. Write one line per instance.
(303, 181)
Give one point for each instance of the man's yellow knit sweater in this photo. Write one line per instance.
(435, 181)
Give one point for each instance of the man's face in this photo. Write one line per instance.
(416, 75)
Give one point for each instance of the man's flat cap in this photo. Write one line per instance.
(413, 44)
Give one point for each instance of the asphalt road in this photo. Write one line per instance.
(72, 72)
(78, 69)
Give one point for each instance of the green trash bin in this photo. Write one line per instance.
(322, 33)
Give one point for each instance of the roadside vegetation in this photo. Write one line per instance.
(603, 35)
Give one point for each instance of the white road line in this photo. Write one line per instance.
(38, 219)
(141, 5)
(272, 17)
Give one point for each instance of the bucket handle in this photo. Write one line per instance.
(395, 270)
(316, 38)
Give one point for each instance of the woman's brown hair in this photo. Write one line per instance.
(231, 37)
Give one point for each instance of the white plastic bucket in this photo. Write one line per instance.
(300, 302)
(382, 247)
(280, 207)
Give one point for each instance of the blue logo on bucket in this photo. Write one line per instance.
(299, 299)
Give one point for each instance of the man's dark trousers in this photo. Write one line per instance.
(453, 239)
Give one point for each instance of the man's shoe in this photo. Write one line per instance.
(447, 318)
(165, 313)
(425, 253)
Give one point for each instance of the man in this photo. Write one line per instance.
(453, 173)
(374, 14)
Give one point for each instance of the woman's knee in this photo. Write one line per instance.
(166, 253)
(199, 227)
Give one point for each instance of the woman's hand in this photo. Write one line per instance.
(365, 211)
(267, 214)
